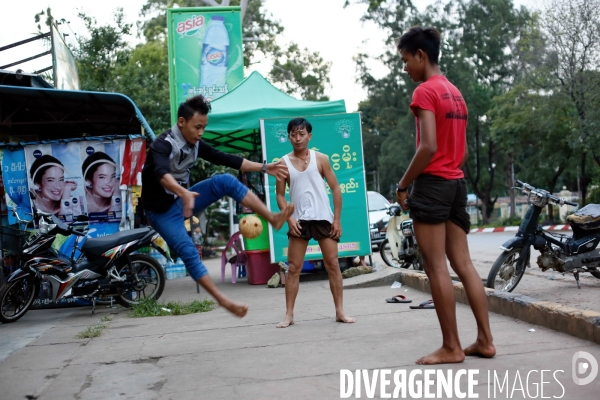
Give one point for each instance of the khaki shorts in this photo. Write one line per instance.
(317, 230)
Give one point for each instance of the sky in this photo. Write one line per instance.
(319, 25)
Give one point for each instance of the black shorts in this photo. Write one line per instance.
(435, 200)
(317, 230)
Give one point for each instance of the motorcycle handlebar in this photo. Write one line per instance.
(76, 232)
(525, 187)
(394, 210)
(19, 219)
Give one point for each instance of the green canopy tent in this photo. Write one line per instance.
(233, 124)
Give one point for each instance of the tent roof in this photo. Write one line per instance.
(233, 124)
(50, 114)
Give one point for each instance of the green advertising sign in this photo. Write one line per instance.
(205, 52)
(339, 137)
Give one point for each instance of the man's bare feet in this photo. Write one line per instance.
(481, 350)
(344, 318)
(287, 321)
(237, 309)
(442, 356)
(277, 220)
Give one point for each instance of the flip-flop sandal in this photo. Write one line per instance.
(398, 299)
(426, 305)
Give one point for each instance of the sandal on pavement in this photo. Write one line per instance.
(426, 305)
(398, 299)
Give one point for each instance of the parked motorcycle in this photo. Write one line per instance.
(400, 249)
(563, 253)
(106, 267)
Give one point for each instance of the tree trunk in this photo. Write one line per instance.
(511, 180)
(551, 189)
(583, 180)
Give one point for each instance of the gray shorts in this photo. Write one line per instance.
(435, 200)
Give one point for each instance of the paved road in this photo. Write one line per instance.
(549, 286)
(216, 356)
(546, 286)
(484, 249)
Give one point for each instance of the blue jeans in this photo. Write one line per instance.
(170, 223)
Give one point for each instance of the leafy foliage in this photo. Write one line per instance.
(476, 35)
(102, 52)
(302, 73)
(150, 307)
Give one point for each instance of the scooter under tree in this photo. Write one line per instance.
(564, 253)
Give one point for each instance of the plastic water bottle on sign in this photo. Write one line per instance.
(215, 48)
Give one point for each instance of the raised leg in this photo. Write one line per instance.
(276, 219)
(237, 309)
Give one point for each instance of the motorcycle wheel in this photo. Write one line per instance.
(387, 256)
(151, 277)
(504, 276)
(417, 261)
(595, 274)
(16, 298)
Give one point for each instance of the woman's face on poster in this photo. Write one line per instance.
(52, 185)
(104, 180)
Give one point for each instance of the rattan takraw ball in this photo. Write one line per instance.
(250, 226)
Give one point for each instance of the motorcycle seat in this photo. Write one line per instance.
(97, 246)
(587, 218)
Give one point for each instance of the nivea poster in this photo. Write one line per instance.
(101, 171)
(205, 52)
(14, 175)
(55, 179)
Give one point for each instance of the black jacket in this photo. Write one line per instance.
(170, 154)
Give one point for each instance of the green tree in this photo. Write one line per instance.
(302, 73)
(533, 127)
(476, 37)
(102, 52)
(145, 79)
(571, 32)
(479, 64)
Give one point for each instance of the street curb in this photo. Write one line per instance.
(516, 228)
(583, 324)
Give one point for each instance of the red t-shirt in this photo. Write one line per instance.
(441, 97)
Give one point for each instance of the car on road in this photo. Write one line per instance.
(378, 217)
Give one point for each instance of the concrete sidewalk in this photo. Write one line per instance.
(216, 356)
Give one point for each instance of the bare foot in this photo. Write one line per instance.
(237, 309)
(344, 318)
(287, 321)
(277, 220)
(481, 350)
(442, 356)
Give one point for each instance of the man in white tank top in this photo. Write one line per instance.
(312, 217)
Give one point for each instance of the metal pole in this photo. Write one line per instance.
(513, 202)
(10, 46)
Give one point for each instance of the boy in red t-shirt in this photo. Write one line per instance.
(438, 199)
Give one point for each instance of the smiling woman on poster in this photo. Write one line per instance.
(100, 174)
(50, 190)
